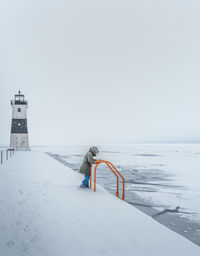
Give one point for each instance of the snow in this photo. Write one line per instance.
(178, 162)
(173, 168)
(43, 212)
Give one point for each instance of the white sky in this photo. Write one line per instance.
(102, 70)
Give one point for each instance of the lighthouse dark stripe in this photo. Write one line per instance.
(19, 126)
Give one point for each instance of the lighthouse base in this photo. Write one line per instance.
(19, 142)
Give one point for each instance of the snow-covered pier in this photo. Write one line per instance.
(43, 213)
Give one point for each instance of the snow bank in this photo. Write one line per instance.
(42, 212)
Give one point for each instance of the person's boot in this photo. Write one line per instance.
(81, 186)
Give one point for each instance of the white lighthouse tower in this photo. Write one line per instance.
(19, 130)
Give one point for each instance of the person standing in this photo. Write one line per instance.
(86, 166)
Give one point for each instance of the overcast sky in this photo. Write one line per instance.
(98, 71)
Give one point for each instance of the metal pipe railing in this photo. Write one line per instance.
(6, 154)
(1, 157)
(114, 170)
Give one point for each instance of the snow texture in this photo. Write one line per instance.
(43, 212)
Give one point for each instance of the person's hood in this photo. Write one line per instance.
(91, 151)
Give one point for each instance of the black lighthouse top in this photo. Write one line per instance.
(19, 99)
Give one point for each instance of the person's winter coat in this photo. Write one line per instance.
(87, 161)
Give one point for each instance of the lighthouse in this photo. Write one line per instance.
(19, 131)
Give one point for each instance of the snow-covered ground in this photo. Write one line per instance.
(43, 213)
(158, 177)
(165, 174)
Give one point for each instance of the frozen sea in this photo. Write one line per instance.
(159, 178)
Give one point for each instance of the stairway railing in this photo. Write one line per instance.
(114, 170)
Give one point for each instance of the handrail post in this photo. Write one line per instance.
(7, 154)
(1, 157)
(95, 176)
(91, 176)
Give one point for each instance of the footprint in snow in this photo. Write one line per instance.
(25, 247)
(34, 239)
(10, 244)
(21, 202)
(21, 192)
(27, 228)
(18, 223)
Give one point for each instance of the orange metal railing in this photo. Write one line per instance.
(114, 170)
